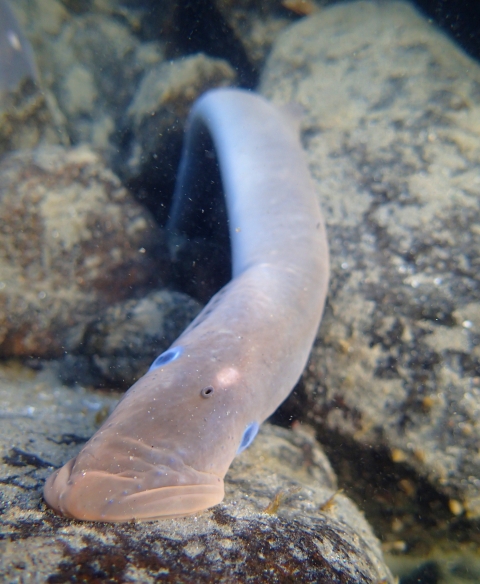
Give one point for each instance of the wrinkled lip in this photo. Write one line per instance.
(101, 496)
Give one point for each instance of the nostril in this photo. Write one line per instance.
(207, 392)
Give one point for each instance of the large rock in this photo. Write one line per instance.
(90, 63)
(282, 519)
(73, 241)
(392, 130)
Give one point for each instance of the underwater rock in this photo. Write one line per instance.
(90, 63)
(73, 241)
(28, 115)
(94, 66)
(109, 80)
(282, 518)
(29, 118)
(392, 130)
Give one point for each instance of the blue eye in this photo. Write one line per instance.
(166, 358)
(248, 436)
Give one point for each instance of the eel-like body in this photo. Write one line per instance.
(167, 446)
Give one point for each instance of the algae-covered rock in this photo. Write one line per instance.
(73, 241)
(392, 133)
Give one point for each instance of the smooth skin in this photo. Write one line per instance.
(167, 446)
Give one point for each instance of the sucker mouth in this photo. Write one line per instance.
(101, 496)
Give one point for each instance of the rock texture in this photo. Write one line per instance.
(29, 117)
(392, 133)
(111, 87)
(282, 519)
(90, 63)
(73, 241)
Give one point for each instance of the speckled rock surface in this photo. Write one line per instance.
(116, 89)
(90, 62)
(28, 115)
(73, 240)
(281, 521)
(392, 132)
(28, 118)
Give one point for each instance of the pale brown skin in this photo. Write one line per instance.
(167, 446)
